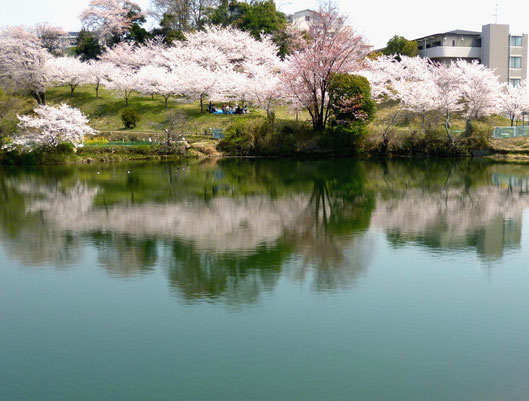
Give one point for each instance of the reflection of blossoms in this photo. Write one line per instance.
(449, 218)
(56, 201)
(38, 242)
(222, 225)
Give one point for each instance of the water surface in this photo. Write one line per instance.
(265, 280)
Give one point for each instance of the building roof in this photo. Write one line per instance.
(307, 10)
(454, 32)
(302, 11)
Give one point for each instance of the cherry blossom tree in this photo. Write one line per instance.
(219, 63)
(124, 55)
(448, 79)
(51, 126)
(480, 90)
(381, 72)
(415, 87)
(51, 38)
(394, 81)
(157, 80)
(123, 81)
(235, 46)
(97, 72)
(329, 47)
(68, 71)
(109, 18)
(514, 100)
(198, 82)
(263, 86)
(23, 63)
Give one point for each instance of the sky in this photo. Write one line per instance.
(378, 20)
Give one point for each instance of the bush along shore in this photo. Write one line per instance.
(262, 138)
(103, 150)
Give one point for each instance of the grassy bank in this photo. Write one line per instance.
(104, 111)
(250, 134)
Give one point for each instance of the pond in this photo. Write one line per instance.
(265, 280)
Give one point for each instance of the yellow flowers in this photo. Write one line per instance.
(96, 141)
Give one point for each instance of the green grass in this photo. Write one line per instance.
(104, 112)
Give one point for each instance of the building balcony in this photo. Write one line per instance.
(451, 52)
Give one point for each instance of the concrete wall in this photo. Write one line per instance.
(450, 52)
(450, 40)
(461, 41)
(495, 49)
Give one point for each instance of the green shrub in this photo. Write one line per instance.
(351, 101)
(7, 128)
(342, 140)
(263, 137)
(478, 138)
(65, 148)
(240, 142)
(130, 117)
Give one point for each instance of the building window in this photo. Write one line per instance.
(453, 43)
(516, 41)
(515, 82)
(307, 18)
(516, 62)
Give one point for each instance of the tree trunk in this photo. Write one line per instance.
(97, 89)
(468, 127)
(72, 88)
(36, 97)
(165, 99)
(43, 98)
(201, 103)
(384, 145)
(447, 128)
(127, 101)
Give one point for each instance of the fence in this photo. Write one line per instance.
(510, 132)
(145, 137)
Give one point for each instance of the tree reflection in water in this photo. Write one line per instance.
(230, 229)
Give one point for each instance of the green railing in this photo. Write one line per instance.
(510, 132)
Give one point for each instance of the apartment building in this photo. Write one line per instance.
(69, 40)
(302, 20)
(495, 46)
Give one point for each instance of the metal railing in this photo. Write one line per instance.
(510, 132)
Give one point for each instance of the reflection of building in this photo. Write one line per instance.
(494, 46)
(498, 235)
(521, 183)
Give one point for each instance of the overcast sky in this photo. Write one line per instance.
(377, 20)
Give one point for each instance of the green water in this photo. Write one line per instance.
(265, 280)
